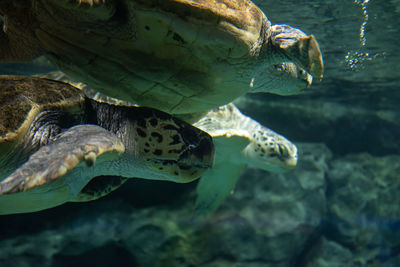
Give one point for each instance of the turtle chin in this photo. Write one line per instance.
(275, 164)
(194, 160)
(179, 171)
(281, 165)
(285, 78)
(278, 158)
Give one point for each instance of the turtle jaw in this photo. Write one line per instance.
(285, 78)
(276, 163)
(190, 165)
(283, 158)
(196, 159)
(196, 156)
(278, 156)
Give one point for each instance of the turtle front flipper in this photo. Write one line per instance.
(229, 140)
(219, 182)
(299, 47)
(82, 143)
(239, 141)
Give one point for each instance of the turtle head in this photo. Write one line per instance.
(296, 46)
(291, 60)
(171, 149)
(271, 152)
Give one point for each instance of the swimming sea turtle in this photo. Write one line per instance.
(179, 56)
(54, 140)
(239, 141)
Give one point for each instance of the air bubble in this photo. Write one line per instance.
(355, 59)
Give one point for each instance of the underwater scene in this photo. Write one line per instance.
(303, 169)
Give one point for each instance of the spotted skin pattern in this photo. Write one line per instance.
(273, 146)
(239, 141)
(165, 149)
(100, 186)
(266, 149)
(63, 141)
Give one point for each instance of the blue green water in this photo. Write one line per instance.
(339, 207)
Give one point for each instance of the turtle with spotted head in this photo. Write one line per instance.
(239, 141)
(54, 141)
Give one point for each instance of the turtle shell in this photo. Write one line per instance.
(23, 98)
(170, 55)
(179, 56)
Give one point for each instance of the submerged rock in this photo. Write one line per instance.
(363, 198)
(267, 221)
(327, 212)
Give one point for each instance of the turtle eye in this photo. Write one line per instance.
(280, 67)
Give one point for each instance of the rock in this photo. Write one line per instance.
(343, 128)
(266, 222)
(327, 212)
(327, 253)
(363, 210)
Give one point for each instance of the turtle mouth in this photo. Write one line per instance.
(192, 162)
(284, 159)
(181, 171)
(196, 159)
(200, 155)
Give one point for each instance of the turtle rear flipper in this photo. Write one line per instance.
(82, 143)
(299, 47)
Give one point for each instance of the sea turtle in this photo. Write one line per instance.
(179, 56)
(54, 140)
(239, 141)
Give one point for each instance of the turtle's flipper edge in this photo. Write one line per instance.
(82, 143)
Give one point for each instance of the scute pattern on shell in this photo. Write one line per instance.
(21, 96)
(242, 14)
(178, 56)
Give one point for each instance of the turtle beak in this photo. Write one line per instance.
(202, 154)
(309, 80)
(197, 157)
